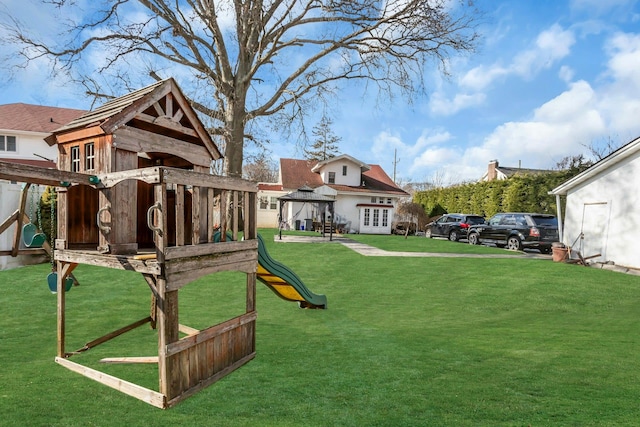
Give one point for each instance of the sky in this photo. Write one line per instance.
(549, 79)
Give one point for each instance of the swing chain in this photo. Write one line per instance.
(39, 210)
(31, 200)
(52, 204)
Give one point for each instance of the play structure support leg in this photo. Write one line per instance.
(168, 332)
(251, 292)
(64, 269)
(61, 294)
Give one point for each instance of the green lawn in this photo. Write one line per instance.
(423, 244)
(405, 341)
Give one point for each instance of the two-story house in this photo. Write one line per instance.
(365, 197)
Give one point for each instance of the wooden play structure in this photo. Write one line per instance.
(135, 193)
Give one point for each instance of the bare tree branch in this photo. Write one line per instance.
(255, 59)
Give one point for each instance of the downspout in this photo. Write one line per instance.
(560, 222)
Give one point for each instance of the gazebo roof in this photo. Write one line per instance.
(305, 194)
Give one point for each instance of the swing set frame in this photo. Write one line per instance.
(20, 218)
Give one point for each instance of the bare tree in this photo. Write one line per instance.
(598, 150)
(411, 215)
(261, 169)
(252, 59)
(325, 145)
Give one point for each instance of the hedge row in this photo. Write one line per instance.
(520, 193)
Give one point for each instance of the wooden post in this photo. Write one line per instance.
(61, 310)
(19, 221)
(195, 215)
(180, 219)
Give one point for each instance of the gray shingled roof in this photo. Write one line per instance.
(303, 195)
(109, 109)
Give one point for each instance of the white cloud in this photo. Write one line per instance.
(440, 105)
(566, 73)
(599, 6)
(551, 45)
(480, 77)
(621, 98)
(558, 128)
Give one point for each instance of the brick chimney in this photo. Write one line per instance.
(491, 170)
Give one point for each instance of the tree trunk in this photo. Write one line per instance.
(235, 118)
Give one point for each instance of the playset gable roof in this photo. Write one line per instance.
(159, 108)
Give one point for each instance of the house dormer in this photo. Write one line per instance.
(341, 170)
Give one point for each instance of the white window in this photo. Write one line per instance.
(264, 202)
(389, 201)
(273, 205)
(385, 217)
(381, 200)
(332, 177)
(374, 199)
(8, 143)
(75, 158)
(89, 156)
(376, 217)
(344, 170)
(367, 212)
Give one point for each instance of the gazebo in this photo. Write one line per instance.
(305, 194)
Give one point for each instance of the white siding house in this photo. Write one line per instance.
(23, 128)
(365, 198)
(601, 206)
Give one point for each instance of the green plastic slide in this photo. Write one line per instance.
(284, 282)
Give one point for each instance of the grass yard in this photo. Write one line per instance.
(405, 342)
(423, 244)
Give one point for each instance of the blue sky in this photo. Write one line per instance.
(550, 78)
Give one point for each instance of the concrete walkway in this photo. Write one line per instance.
(367, 250)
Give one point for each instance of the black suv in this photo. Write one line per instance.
(517, 231)
(452, 226)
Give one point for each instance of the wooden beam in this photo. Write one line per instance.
(188, 330)
(39, 175)
(185, 177)
(149, 175)
(119, 262)
(177, 252)
(122, 118)
(146, 395)
(166, 121)
(7, 222)
(139, 359)
(113, 334)
(138, 140)
(77, 134)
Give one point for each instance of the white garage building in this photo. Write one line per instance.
(602, 207)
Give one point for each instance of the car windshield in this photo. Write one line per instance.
(475, 220)
(545, 221)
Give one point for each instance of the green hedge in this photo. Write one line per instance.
(520, 193)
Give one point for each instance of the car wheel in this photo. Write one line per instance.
(473, 239)
(453, 236)
(427, 233)
(545, 250)
(514, 244)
